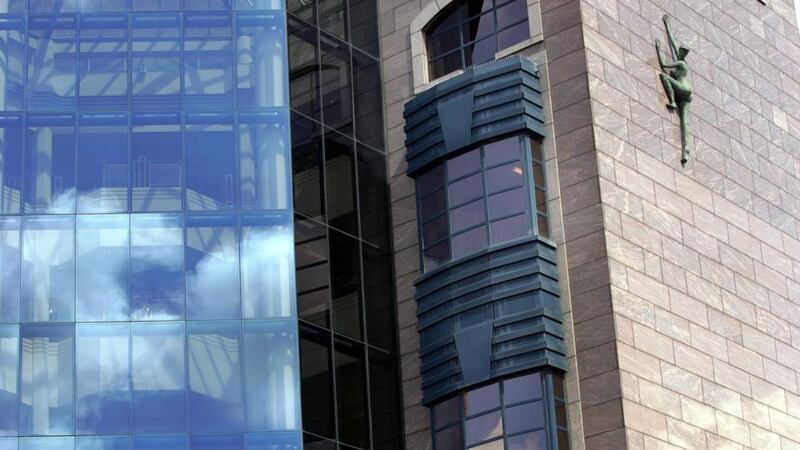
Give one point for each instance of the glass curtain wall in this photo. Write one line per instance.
(147, 292)
(344, 272)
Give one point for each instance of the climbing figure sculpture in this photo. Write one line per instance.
(674, 78)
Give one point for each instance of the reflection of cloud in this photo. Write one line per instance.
(158, 357)
(213, 286)
(103, 271)
(267, 269)
(64, 203)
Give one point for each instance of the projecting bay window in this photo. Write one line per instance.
(488, 195)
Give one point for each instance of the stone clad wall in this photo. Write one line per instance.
(703, 260)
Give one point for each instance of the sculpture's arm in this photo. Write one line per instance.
(661, 62)
(673, 44)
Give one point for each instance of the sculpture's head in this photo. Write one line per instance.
(682, 52)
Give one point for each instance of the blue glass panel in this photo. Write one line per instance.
(157, 277)
(159, 378)
(159, 442)
(211, 5)
(207, 61)
(10, 274)
(102, 163)
(8, 443)
(156, 58)
(259, 4)
(271, 374)
(264, 160)
(10, 163)
(212, 267)
(103, 265)
(215, 376)
(103, 443)
(217, 442)
(103, 5)
(9, 340)
(156, 162)
(268, 288)
(274, 441)
(52, 6)
(46, 382)
(12, 6)
(103, 388)
(51, 61)
(12, 49)
(47, 443)
(50, 164)
(261, 60)
(103, 62)
(210, 162)
(48, 269)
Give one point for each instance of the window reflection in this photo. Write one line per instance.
(215, 376)
(157, 284)
(9, 341)
(261, 60)
(51, 63)
(46, 404)
(346, 284)
(103, 163)
(159, 378)
(216, 442)
(351, 396)
(102, 443)
(373, 194)
(12, 51)
(46, 443)
(103, 393)
(48, 269)
(273, 441)
(207, 61)
(156, 59)
(156, 162)
(271, 374)
(103, 62)
(263, 162)
(10, 163)
(212, 267)
(337, 96)
(307, 167)
(103, 5)
(340, 182)
(159, 442)
(10, 262)
(210, 162)
(267, 266)
(317, 381)
(312, 271)
(50, 164)
(103, 266)
(304, 67)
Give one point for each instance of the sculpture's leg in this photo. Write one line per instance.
(666, 80)
(683, 115)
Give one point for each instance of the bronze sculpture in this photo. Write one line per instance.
(676, 84)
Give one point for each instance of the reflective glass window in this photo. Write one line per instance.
(212, 267)
(267, 265)
(340, 182)
(157, 275)
(333, 17)
(218, 5)
(536, 440)
(103, 265)
(304, 67)
(155, 5)
(378, 297)
(384, 398)
(364, 26)
(526, 387)
(102, 181)
(524, 417)
(258, 4)
(53, 6)
(48, 269)
(261, 60)
(271, 374)
(373, 196)
(367, 99)
(484, 427)
(52, 60)
(12, 49)
(10, 258)
(156, 161)
(274, 441)
(11, 146)
(8, 443)
(312, 271)
(47, 443)
(207, 61)
(49, 186)
(215, 376)
(102, 443)
(155, 58)
(103, 388)
(103, 5)
(337, 93)
(46, 401)
(9, 348)
(158, 442)
(216, 442)
(210, 162)
(482, 399)
(264, 147)
(103, 62)
(307, 167)
(316, 375)
(159, 379)
(346, 284)
(351, 395)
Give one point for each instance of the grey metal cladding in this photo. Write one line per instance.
(482, 103)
